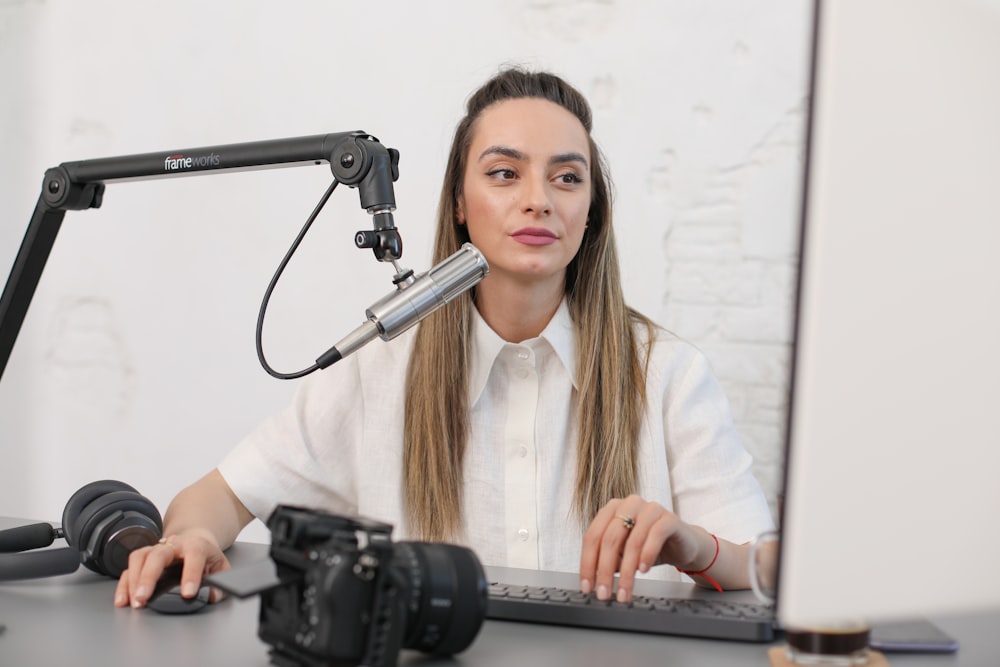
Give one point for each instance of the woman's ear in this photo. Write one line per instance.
(460, 210)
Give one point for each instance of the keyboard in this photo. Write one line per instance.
(712, 618)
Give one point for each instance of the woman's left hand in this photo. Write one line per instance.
(631, 535)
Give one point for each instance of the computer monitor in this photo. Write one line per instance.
(893, 468)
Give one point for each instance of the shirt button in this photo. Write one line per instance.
(522, 373)
(522, 451)
(523, 534)
(522, 355)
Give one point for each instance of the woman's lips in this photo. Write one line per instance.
(534, 236)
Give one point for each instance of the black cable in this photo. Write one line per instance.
(274, 281)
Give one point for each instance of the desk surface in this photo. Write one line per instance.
(71, 620)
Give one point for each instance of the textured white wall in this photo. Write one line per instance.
(137, 361)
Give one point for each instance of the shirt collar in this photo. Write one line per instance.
(487, 345)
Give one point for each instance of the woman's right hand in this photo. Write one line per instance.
(197, 549)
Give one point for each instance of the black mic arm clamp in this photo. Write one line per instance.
(362, 162)
(385, 243)
(61, 193)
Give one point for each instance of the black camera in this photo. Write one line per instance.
(345, 594)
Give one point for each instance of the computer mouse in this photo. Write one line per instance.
(166, 597)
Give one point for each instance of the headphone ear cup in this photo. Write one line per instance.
(108, 520)
(83, 497)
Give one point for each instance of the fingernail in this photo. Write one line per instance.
(644, 568)
(602, 593)
(120, 600)
(141, 593)
(189, 589)
(622, 595)
(585, 586)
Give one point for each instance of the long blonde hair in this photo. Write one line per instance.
(610, 368)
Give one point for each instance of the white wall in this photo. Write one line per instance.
(137, 361)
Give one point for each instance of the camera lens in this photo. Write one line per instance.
(448, 594)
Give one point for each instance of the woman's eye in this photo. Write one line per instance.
(502, 174)
(569, 178)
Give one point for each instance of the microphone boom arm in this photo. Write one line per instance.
(357, 159)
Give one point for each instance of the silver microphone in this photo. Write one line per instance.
(414, 299)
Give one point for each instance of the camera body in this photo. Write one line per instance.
(350, 596)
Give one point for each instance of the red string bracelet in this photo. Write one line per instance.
(701, 573)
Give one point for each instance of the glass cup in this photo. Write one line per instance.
(842, 645)
(764, 566)
(839, 645)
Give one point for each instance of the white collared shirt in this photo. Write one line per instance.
(338, 447)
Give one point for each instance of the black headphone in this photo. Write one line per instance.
(103, 523)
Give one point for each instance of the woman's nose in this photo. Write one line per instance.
(535, 197)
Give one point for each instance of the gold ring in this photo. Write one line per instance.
(166, 541)
(628, 521)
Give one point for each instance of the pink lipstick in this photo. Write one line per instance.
(534, 236)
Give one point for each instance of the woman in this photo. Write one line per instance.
(536, 419)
